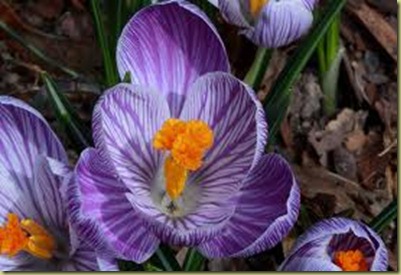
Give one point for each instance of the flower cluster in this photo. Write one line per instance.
(178, 158)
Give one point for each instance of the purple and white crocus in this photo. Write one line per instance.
(337, 244)
(179, 153)
(34, 230)
(269, 23)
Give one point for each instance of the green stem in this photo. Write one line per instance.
(385, 217)
(321, 57)
(333, 40)
(165, 258)
(38, 53)
(110, 72)
(255, 75)
(193, 260)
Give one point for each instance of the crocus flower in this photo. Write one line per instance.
(337, 244)
(178, 154)
(34, 231)
(269, 23)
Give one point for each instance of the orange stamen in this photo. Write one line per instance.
(256, 6)
(187, 143)
(13, 238)
(27, 235)
(176, 177)
(165, 137)
(351, 260)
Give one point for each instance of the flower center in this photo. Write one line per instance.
(25, 235)
(351, 260)
(256, 6)
(187, 143)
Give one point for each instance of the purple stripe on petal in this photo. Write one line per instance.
(335, 234)
(102, 216)
(38, 137)
(168, 58)
(24, 262)
(266, 211)
(45, 195)
(236, 117)
(310, 4)
(281, 23)
(233, 13)
(310, 264)
(83, 259)
(125, 121)
(107, 263)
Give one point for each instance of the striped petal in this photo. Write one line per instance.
(23, 263)
(24, 135)
(236, 117)
(102, 216)
(46, 198)
(168, 58)
(125, 121)
(337, 234)
(281, 23)
(266, 211)
(310, 4)
(233, 13)
(84, 259)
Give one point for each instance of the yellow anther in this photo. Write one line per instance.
(40, 246)
(187, 143)
(13, 238)
(351, 260)
(200, 134)
(27, 236)
(176, 176)
(256, 6)
(165, 137)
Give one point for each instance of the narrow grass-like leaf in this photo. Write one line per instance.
(279, 97)
(329, 83)
(164, 258)
(38, 53)
(66, 115)
(388, 215)
(255, 75)
(107, 51)
(194, 261)
(129, 266)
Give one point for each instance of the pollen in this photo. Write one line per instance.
(13, 238)
(187, 143)
(176, 176)
(25, 235)
(256, 6)
(165, 137)
(351, 260)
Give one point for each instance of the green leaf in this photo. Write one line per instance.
(164, 258)
(194, 261)
(329, 83)
(279, 97)
(385, 217)
(129, 266)
(66, 115)
(150, 267)
(107, 51)
(255, 75)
